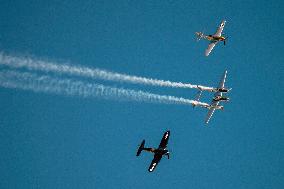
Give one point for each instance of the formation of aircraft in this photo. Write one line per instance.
(214, 105)
(158, 152)
(214, 39)
(217, 98)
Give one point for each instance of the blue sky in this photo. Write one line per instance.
(55, 141)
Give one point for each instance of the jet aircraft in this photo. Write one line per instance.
(158, 152)
(214, 39)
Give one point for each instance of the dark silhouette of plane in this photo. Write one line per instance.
(158, 152)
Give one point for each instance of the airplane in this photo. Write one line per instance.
(214, 39)
(221, 89)
(218, 97)
(158, 152)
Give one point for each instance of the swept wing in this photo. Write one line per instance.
(220, 29)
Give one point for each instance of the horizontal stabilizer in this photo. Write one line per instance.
(197, 98)
(199, 35)
(140, 148)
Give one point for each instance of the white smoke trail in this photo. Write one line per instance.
(47, 84)
(39, 65)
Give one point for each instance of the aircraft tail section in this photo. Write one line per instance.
(197, 98)
(141, 147)
(199, 35)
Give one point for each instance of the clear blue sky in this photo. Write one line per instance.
(53, 141)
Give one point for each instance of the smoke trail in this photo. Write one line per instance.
(47, 84)
(39, 65)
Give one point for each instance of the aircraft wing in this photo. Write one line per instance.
(222, 81)
(165, 139)
(210, 48)
(155, 161)
(211, 111)
(220, 29)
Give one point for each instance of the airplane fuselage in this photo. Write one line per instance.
(223, 90)
(160, 151)
(220, 98)
(215, 38)
(211, 38)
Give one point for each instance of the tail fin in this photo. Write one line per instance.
(199, 35)
(197, 98)
(141, 147)
(225, 40)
